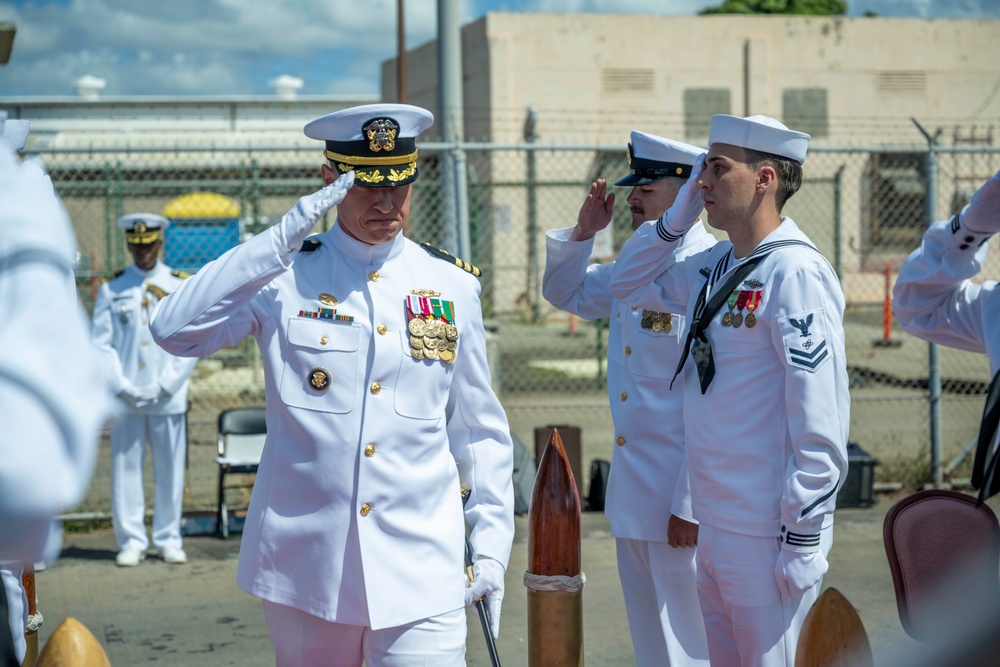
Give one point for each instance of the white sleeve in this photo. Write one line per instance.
(933, 297)
(53, 398)
(480, 442)
(809, 340)
(212, 309)
(102, 331)
(569, 283)
(651, 273)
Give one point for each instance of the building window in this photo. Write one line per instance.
(804, 110)
(895, 214)
(700, 104)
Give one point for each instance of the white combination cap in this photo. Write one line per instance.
(142, 228)
(759, 133)
(651, 158)
(375, 141)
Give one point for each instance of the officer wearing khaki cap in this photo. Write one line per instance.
(379, 412)
(766, 403)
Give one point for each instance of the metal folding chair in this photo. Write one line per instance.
(242, 432)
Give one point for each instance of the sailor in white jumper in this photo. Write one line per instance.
(655, 533)
(766, 404)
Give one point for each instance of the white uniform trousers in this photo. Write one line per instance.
(17, 606)
(747, 623)
(166, 437)
(304, 640)
(661, 599)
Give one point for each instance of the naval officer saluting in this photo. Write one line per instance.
(656, 558)
(377, 385)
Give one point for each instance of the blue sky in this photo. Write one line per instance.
(205, 47)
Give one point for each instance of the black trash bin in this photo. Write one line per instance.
(857, 488)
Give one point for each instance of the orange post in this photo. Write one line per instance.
(887, 308)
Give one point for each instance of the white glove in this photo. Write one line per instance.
(487, 581)
(148, 394)
(796, 572)
(684, 212)
(982, 215)
(295, 225)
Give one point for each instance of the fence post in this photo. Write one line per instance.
(933, 358)
(533, 286)
(454, 181)
(837, 221)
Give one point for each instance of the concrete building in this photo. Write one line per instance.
(852, 83)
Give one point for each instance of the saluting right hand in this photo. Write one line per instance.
(688, 205)
(982, 215)
(596, 212)
(289, 234)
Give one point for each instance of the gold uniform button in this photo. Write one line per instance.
(624, 395)
(620, 441)
(369, 450)
(373, 276)
(635, 307)
(324, 340)
(381, 329)
(365, 509)
(376, 387)
(628, 350)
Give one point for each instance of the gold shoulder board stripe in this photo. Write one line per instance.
(183, 275)
(448, 257)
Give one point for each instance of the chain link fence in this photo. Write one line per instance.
(864, 208)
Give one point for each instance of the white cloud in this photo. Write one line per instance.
(237, 46)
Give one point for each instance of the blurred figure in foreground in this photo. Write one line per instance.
(53, 400)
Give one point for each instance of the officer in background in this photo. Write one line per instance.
(377, 385)
(655, 547)
(934, 299)
(152, 387)
(766, 403)
(52, 398)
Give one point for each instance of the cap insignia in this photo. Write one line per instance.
(381, 133)
(139, 227)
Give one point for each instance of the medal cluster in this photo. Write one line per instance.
(738, 300)
(431, 323)
(433, 339)
(662, 322)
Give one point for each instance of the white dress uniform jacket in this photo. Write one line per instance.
(356, 514)
(934, 298)
(767, 442)
(121, 330)
(649, 453)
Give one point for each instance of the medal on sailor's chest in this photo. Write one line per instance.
(431, 324)
(753, 302)
(727, 317)
(660, 322)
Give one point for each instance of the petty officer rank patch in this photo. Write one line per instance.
(430, 322)
(804, 338)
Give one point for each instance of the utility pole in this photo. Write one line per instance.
(400, 53)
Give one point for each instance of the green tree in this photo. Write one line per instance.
(810, 7)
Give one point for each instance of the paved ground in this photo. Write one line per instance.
(194, 615)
